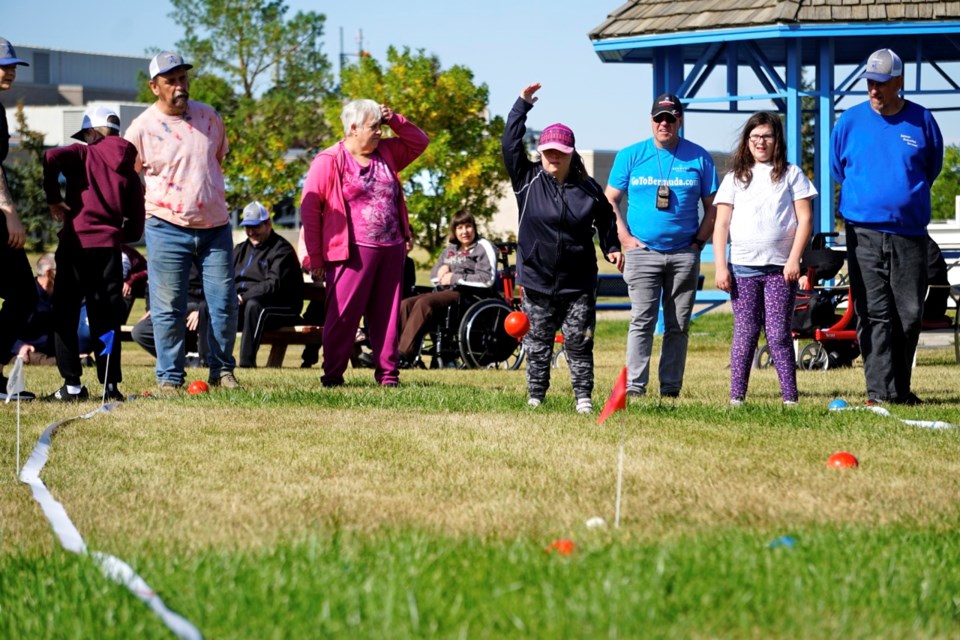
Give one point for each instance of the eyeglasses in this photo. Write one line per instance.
(766, 138)
(664, 117)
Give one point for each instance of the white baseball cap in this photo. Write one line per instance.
(254, 214)
(882, 66)
(96, 117)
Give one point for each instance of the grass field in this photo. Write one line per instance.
(289, 511)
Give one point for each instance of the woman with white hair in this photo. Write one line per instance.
(356, 230)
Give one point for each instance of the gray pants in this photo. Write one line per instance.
(888, 280)
(652, 278)
(576, 315)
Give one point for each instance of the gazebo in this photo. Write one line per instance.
(685, 41)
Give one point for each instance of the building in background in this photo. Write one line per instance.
(59, 85)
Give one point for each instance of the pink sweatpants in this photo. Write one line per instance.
(366, 285)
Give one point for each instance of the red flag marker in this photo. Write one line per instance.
(618, 398)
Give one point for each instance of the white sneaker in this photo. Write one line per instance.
(735, 402)
(533, 402)
(789, 403)
(584, 405)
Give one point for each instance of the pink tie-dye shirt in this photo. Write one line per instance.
(371, 196)
(181, 158)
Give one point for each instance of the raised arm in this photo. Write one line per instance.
(514, 152)
(410, 142)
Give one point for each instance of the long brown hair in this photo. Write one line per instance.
(742, 158)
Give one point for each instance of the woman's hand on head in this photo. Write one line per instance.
(386, 113)
(529, 90)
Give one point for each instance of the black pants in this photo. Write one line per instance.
(97, 275)
(19, 294)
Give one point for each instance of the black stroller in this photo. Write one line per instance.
(816, 313)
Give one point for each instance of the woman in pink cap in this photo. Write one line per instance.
(560, 207)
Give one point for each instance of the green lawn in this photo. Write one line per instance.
(289, 511)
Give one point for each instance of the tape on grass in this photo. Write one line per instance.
(112, 567)
(923, 424)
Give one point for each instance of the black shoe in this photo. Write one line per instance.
(669, 394)
(62, 395)
(910, 400)
(365, 360)
(114, 394)
(23, 395)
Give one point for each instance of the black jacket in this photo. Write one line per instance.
(555, 252)
(270, 271)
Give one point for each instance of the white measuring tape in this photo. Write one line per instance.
(113, 567)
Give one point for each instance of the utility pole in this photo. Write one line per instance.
(344, 55)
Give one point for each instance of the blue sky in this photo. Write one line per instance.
(507, 44)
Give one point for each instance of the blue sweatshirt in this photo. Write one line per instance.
(885, 166)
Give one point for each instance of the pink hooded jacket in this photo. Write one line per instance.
(324, 235)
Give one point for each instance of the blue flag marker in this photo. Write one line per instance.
(107, 340)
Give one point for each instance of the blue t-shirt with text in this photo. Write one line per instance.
(687, 169)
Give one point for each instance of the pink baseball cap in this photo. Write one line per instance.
(557, 136)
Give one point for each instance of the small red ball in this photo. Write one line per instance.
(842, 460)
(197, 387)
(516, 324)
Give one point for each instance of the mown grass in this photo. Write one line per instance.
(288, 511)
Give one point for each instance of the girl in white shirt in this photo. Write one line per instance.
(763, 208)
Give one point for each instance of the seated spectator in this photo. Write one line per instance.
(466, 263)
(269, 282)
(36, 344)
(134, 277)
(195, 340)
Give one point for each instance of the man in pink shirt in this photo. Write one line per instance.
(181, 145)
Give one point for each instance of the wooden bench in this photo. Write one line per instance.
(280, 339)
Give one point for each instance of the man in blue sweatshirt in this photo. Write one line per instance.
(886, 154)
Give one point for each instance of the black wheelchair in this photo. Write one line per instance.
(470, 334)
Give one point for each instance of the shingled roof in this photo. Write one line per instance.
(646, 17)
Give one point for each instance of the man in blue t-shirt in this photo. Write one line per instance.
(666, 179)
(886, 153)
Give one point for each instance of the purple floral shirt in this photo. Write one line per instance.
(371, 196)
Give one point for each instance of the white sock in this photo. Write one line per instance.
(73, 389)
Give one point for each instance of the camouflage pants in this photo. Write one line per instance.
(574, 314)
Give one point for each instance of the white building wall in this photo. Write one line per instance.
(58, 123)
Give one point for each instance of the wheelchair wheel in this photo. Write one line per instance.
(483, 340)
(762, 359)
(813, 357)
(560, 358)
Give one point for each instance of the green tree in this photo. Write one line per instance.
(25, 177)
(943, 195)
(462, 167)
(267, 75)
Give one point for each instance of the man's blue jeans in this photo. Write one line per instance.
(171, 250)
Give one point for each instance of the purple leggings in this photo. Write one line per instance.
(758, 301)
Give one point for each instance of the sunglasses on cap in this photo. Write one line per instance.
(664, 117)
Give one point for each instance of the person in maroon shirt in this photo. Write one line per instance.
(103, 207)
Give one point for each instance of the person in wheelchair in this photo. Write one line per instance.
(467, 264)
